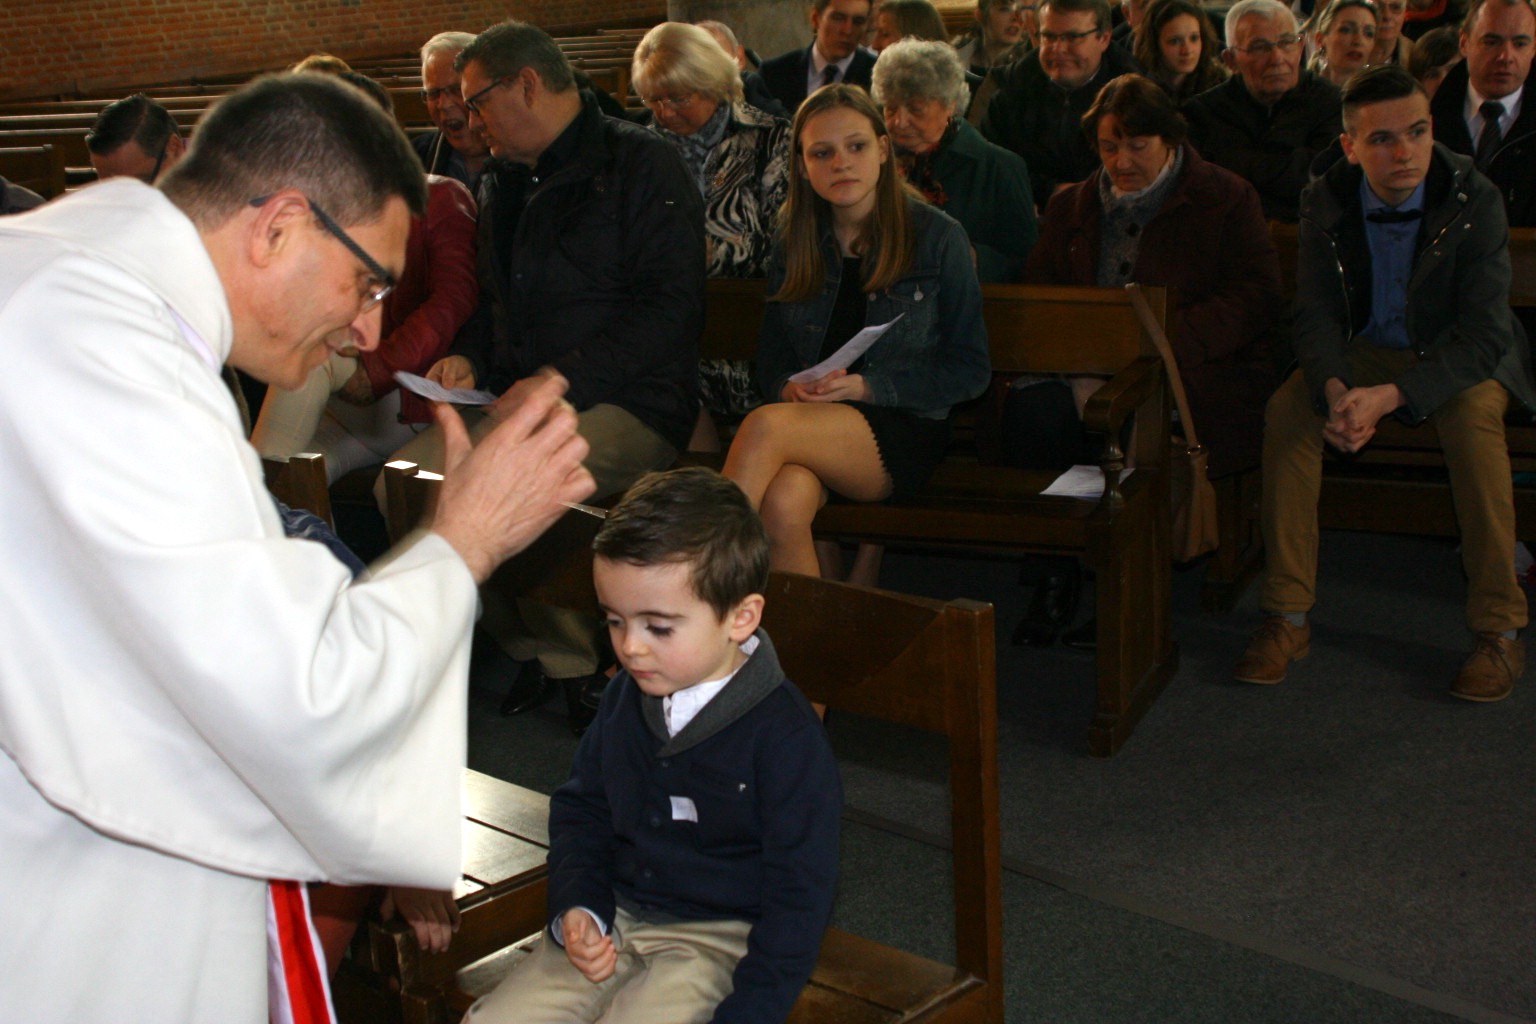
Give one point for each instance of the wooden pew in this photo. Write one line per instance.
(972, 504)
(39, 168)
(924, 664)
(300, 482)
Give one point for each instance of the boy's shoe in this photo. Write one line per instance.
(1491, 669)
(1271, 651)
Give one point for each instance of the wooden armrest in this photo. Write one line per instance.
(1106, 412)
(1121, 395)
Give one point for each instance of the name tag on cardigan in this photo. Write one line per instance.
(684, 810)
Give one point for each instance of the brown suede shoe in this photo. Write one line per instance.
(1271, 651)
(1491, 670)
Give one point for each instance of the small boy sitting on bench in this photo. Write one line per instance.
(693, 852)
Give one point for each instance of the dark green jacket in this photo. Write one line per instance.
(1459, 319)
(987, 190)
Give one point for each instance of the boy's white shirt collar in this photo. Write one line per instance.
(680, 708)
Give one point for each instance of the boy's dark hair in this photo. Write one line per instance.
(1377, 84)
(691, 515)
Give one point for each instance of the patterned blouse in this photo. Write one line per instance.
(744, 179)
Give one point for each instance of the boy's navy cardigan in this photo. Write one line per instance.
(756, 763)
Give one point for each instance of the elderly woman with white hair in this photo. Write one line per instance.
(739, 156)
(921, 88)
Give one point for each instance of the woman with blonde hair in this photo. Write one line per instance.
(1345, 37)
(855, 249)
(739, 157)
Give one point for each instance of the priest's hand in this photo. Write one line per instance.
(501, 494)
(432, 914)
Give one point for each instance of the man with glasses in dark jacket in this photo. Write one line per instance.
(591, 263)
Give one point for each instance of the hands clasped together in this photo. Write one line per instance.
(1354, 412)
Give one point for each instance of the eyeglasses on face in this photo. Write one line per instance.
(441, 92)
(1263, 47)
(672, 103)
(1066, 38)
(149, 179)
(380, 281)
(472, 103)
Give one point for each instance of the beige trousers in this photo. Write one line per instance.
(623, 449)
(1471, 429)
(674, 973)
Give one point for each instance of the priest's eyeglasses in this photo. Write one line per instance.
(380, 281)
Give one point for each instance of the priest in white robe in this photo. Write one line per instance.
(190, 703)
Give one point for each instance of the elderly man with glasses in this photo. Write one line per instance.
(191, 703)
(452, 149)
(1038, 109)
(591, 261)
(1270, 120)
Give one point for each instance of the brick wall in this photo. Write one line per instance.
(56, 46)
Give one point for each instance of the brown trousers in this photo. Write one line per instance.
(1471, 429)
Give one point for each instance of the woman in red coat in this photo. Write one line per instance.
(1157, 214)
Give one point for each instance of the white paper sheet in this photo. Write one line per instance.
(437, 393)
(1081, 482)
(845, 356)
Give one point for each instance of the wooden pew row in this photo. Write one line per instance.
(924, 664)
(39, 168)
(972, 504)
(1397, 484)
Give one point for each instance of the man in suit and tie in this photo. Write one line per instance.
(833, 56)
(1480, 108)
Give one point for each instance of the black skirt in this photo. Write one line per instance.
(910, 446)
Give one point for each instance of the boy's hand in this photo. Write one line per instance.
(431, 913)
(588, 949)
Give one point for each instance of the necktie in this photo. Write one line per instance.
(829, 75)
(1489, 138)
(1385, 216)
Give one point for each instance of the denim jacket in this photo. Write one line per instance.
(935, 358)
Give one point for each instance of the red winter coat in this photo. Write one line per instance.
(1211, 245)
(436, 293)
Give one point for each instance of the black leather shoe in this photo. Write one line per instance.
(1084, 637)
(583, 695)
(1051, 606)
(530, 689)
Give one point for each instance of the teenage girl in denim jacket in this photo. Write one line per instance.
(855, 248)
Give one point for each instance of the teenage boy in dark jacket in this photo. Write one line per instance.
(1402, 309)
(693, 853)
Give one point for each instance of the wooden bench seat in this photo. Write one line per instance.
(973, 504)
